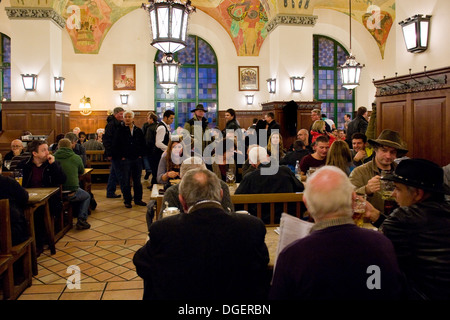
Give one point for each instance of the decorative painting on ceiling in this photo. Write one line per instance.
(244, 21)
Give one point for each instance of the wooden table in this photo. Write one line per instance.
(39, 197)
(86, 179)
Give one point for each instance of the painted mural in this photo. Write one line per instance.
(88, 21)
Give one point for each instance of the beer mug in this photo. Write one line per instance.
(386, 187)
(18, 176)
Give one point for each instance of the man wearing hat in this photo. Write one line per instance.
(191, 124)
(420, 228)
(366, 178)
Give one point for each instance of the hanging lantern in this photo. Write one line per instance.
(167, 71)
(169, 21)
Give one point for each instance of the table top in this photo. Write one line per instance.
(87, 170)
(36, 195)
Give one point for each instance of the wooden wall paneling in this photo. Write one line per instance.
(429, 125)
(15, 121)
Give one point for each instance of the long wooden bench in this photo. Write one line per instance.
(271, 200)
(96, 159)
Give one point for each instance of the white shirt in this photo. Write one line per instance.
(160, 133)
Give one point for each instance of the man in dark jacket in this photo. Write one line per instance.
(204, 253)
(419, 229)
(110, 135)
(18, 198)
(257, 181)
(41, 170)
(130, 146)
(359, 124)
(149, 131)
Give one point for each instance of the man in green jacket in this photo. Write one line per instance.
(72, 166)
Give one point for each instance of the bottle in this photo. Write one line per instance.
(297, 170)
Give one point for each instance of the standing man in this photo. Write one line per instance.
(347, 119)
(271, 124)
(149, 131)
(419, 229)
(190, 125)
(337, 259)
(130, 145)
(110, 135)
(205, 253)
(366, 178)
(161, 141)
(73, 167)
(359, 124)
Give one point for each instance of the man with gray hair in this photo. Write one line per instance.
(76, 147)
(204, 253)
(337, 260)
(171, 194)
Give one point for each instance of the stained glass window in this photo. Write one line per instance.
(5, 65)
(197, 83)
(337, 101)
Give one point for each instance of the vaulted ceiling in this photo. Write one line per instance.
(248, 22)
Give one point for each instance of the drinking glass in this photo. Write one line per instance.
(359, 209)
(18, 176)
(386, 187)
(231, 178)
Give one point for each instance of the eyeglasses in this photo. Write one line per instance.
(16, 146)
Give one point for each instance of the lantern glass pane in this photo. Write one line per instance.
(153, 22)
(409, 33)
(177, 15)
(184, 29)
(423, 33)
(163, 22)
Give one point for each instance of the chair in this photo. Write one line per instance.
(18, 264)
(273, 201)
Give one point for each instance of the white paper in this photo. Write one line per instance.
(291, 229)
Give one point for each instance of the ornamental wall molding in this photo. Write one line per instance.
(36, 13)
(297, 20)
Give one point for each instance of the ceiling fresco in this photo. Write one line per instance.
(246, 21)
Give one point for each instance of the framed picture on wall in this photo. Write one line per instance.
(248, 78)
(124, 77)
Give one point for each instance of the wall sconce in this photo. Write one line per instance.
(124, 98)
(297, 84)
(272, 85)
(29, 81)
(415, 32)
(85, 106)
(249, 98)
(59, 84)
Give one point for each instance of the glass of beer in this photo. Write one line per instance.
(18, 176)
(359, 209)
(387, 187)
(231, 178)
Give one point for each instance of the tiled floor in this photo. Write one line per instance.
(103, 253)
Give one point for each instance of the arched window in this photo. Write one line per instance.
(197, 83)
(337, 101)
(5, 70)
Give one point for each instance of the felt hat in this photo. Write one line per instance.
(199, 107)
(392, 139)
(421, 174)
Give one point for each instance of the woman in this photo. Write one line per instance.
(171, 159)
(318, 129)
(231, 122)
(339, 155)
(225, 160)
(276, 143)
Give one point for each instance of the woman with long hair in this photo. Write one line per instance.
(171, 159)
(276, 143)
(339, 155)
(318, 129)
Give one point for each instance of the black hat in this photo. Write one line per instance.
(391, 139)
(199, 107)
(421, 174)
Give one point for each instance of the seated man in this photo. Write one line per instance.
(362, 152)
(16, 150)
(366, 178)
(291, 158)
(419, 229)
(171, 194)
(257, 181)
(204, 253)
(18, 198)
(319, 157)
(73, 167)
(77, 148)
(337, 260)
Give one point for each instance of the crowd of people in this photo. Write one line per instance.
(222, 253)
